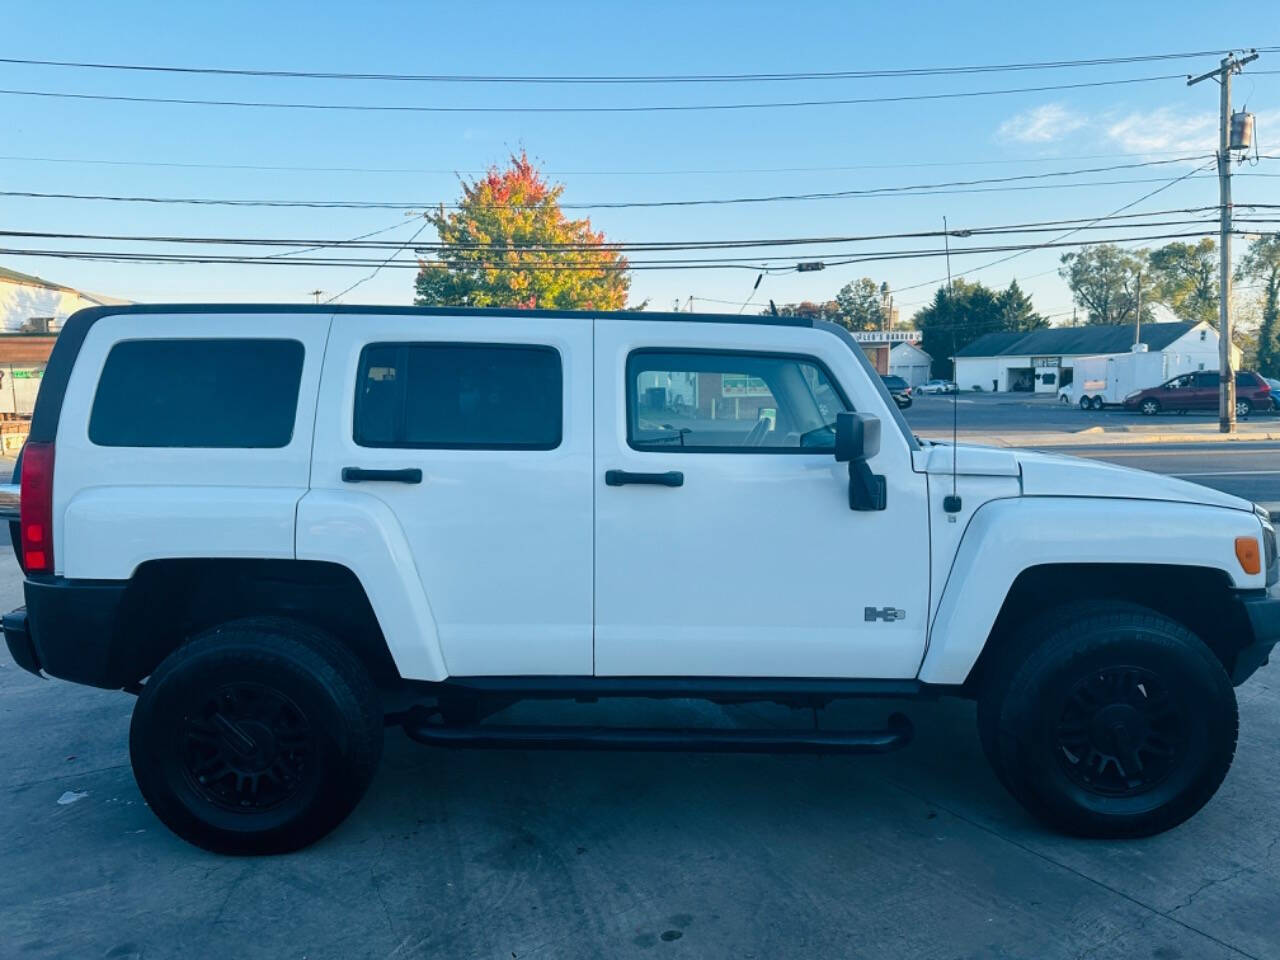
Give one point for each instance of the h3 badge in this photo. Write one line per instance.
(887, 614)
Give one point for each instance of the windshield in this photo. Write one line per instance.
(894, 413)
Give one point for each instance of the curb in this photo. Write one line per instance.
(1086, 439)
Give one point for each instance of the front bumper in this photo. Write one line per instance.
(1263, 613)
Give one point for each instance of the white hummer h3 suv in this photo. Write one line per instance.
(284, 527)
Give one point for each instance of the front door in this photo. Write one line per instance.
(476, 433)
(725, 545)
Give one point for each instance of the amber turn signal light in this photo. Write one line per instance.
(1248, 554)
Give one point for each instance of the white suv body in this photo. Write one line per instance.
(645, 504)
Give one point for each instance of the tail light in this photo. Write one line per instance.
(35, 512)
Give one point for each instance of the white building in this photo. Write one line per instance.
(909, 362)
(1042, 360)
(31, 305)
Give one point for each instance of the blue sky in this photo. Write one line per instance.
(608, 157)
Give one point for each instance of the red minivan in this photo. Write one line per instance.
(1199, 391)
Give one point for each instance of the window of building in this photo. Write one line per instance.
(695, 401)
(197, 393)
(464, 396)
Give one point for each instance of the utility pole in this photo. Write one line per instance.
(1231, 64)
(317, 294)
(1137, 318)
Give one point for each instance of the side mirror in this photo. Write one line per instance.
(857, 440)
(857, 437)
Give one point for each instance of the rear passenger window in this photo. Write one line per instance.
(197, 393)
(463, 396)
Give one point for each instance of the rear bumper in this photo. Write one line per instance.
(1263, 613)
(68, 629)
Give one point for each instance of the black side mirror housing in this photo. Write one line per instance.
(857, 441)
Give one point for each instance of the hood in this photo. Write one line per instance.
(1054, 475)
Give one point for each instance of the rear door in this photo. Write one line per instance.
(753, 565)
(1205, 391)
(476, 433)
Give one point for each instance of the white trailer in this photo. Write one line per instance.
(1107, 379)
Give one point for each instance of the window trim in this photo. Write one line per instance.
(293, 421)
(404, 345)
(631, 399)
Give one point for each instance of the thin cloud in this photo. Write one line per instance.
(1165, 129)
(1043, 124)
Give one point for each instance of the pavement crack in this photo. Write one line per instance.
(377, 887)
(1239, 871)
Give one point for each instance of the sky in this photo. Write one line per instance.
(54, 145)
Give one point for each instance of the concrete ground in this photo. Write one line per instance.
(457, 854)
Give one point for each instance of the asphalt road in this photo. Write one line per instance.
(1246, 469)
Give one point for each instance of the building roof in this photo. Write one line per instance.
(27, 280)
(1073, 341)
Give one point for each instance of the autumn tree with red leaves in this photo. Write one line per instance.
(509, 245)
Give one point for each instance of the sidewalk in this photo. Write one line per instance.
(1119, 434)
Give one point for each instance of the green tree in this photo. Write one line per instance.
(1261, 263)
(955, 319)
(1184, 277)
(1104, 282)
(859, 305)
(510, 245)
(1016, 311)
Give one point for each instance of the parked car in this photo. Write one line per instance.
(1199, 391)
(284, 528)
(899, 389)
(1274, 384)
(937, 386)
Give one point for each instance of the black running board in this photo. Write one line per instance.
(419, 726)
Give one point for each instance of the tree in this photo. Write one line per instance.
(859, 305)
(1261, 263)
(1103, 280)
(1016, 311)
(1185, 279)
(955, 319)
(806, 308)
(510, 245)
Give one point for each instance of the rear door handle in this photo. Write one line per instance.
(360, 475)
(619, 478)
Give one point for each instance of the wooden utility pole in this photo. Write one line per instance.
(1231, 64)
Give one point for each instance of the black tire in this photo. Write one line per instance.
(1096, 403)
(1086, 403)
(1244, 407)
(257, 736)
(1056, 740)
(1149, 407)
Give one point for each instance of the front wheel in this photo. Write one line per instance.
(258, 736)
(1119, 723)
(1150, 407)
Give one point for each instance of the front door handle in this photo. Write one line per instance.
(360, 475)
(619, 478)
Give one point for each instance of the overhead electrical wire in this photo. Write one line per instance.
(624, 79)
(362, 243)
(613, 108)
(980, 185)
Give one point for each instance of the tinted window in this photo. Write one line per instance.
(459, 396)
(1206, 380)
(719, 402)
(197, 393)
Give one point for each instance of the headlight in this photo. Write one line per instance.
(1268, 542)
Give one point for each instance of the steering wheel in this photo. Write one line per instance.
(756, 436)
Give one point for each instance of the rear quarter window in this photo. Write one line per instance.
(219, 393)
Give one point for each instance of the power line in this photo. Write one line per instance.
(553, 265)
(721, 171)
(981, 185)
(378, 269)
(620, 79)
(360, 242)
(644, 108)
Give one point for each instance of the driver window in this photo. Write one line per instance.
(711, 402)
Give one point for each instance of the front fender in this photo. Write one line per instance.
(1006, 537)
(360, 532)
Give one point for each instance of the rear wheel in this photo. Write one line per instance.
(1086, 403)
(1096, 403)
(1149, 407)
(258, 736)
(1244, 407)
(1118, 723)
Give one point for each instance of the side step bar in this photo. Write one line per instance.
(418, 725)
